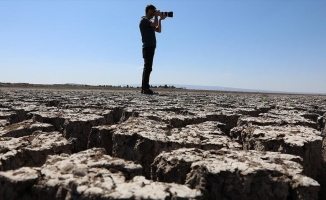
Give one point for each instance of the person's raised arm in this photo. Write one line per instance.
(159, 27)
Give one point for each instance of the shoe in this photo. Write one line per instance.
(147, 91)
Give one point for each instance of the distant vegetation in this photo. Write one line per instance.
(166, 86)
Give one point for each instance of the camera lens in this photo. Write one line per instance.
(168, 14)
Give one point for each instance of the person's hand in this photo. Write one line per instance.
(157, 13)
(163, 17)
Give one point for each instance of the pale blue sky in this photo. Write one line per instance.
(264, 44)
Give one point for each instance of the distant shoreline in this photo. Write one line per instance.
(131, 88)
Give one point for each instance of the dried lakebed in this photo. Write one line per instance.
(93, 144)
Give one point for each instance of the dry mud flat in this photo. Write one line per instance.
(91, 144)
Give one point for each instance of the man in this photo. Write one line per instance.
(147, 30)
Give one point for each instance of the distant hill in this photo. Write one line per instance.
(219, 88)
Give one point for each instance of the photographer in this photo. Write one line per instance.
(147, 30)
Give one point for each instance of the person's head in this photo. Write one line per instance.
(150, 10)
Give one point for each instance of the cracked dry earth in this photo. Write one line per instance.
(92, 144)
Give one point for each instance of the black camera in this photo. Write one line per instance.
(168, 14)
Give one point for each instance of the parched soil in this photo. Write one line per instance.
(95, 143)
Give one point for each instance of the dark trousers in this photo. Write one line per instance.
(148, 55)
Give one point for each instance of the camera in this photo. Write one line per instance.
(168, 14)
